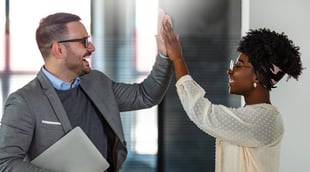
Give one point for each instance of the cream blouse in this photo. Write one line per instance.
(247, 138)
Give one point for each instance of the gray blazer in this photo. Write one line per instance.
(34, 117)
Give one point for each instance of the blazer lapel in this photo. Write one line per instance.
(100, 100)
(55, 102)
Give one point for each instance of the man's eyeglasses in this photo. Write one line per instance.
(85, 41)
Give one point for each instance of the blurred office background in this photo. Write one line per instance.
(162, 139)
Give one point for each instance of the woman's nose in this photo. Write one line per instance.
(229, 71)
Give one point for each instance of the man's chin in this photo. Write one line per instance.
(85, 71)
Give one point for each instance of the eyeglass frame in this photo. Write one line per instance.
(234, 64)
(85, 41)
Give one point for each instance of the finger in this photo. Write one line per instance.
(169, 19)
(170, 33)
(161, 15)
(168, 26)
(178, 37)
(166, 34)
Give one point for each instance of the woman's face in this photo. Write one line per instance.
(241, 76)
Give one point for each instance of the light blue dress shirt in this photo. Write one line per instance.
(60, 84)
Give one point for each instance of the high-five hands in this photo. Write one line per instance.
(173, 47)
(171, 40)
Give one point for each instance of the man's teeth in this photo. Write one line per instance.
(86, 58)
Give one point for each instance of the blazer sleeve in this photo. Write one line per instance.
(16, 132)
(149, 92)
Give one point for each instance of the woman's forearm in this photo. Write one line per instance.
(180, 68)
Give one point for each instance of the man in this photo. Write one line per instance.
(67, 93)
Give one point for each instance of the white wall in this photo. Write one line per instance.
(292, 97)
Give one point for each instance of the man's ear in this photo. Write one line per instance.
(57, 50)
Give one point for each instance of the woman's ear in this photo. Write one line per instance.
(256, 76)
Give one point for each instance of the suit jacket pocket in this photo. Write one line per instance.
(49, 132)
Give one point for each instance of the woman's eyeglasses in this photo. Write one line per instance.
(85, 41)
(237, 64)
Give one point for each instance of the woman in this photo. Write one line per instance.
(247, 138)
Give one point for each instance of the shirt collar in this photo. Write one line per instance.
(60, 84)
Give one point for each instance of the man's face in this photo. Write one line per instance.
(78, 52)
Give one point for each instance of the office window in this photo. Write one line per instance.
(146, 128)
(2, 52)
(25, 55)
(146, 29)
(2, 35)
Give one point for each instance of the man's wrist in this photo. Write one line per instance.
(163, 56)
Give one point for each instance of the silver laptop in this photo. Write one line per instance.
(72, 153)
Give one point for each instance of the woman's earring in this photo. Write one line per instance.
(254, 84)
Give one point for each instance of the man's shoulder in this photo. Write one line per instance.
(95, 75)
(32, 85)
(95, 78)
(31, 90)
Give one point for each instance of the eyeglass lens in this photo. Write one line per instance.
(85, 42)
(231, 65)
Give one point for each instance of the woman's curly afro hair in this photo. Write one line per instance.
(267, 48)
